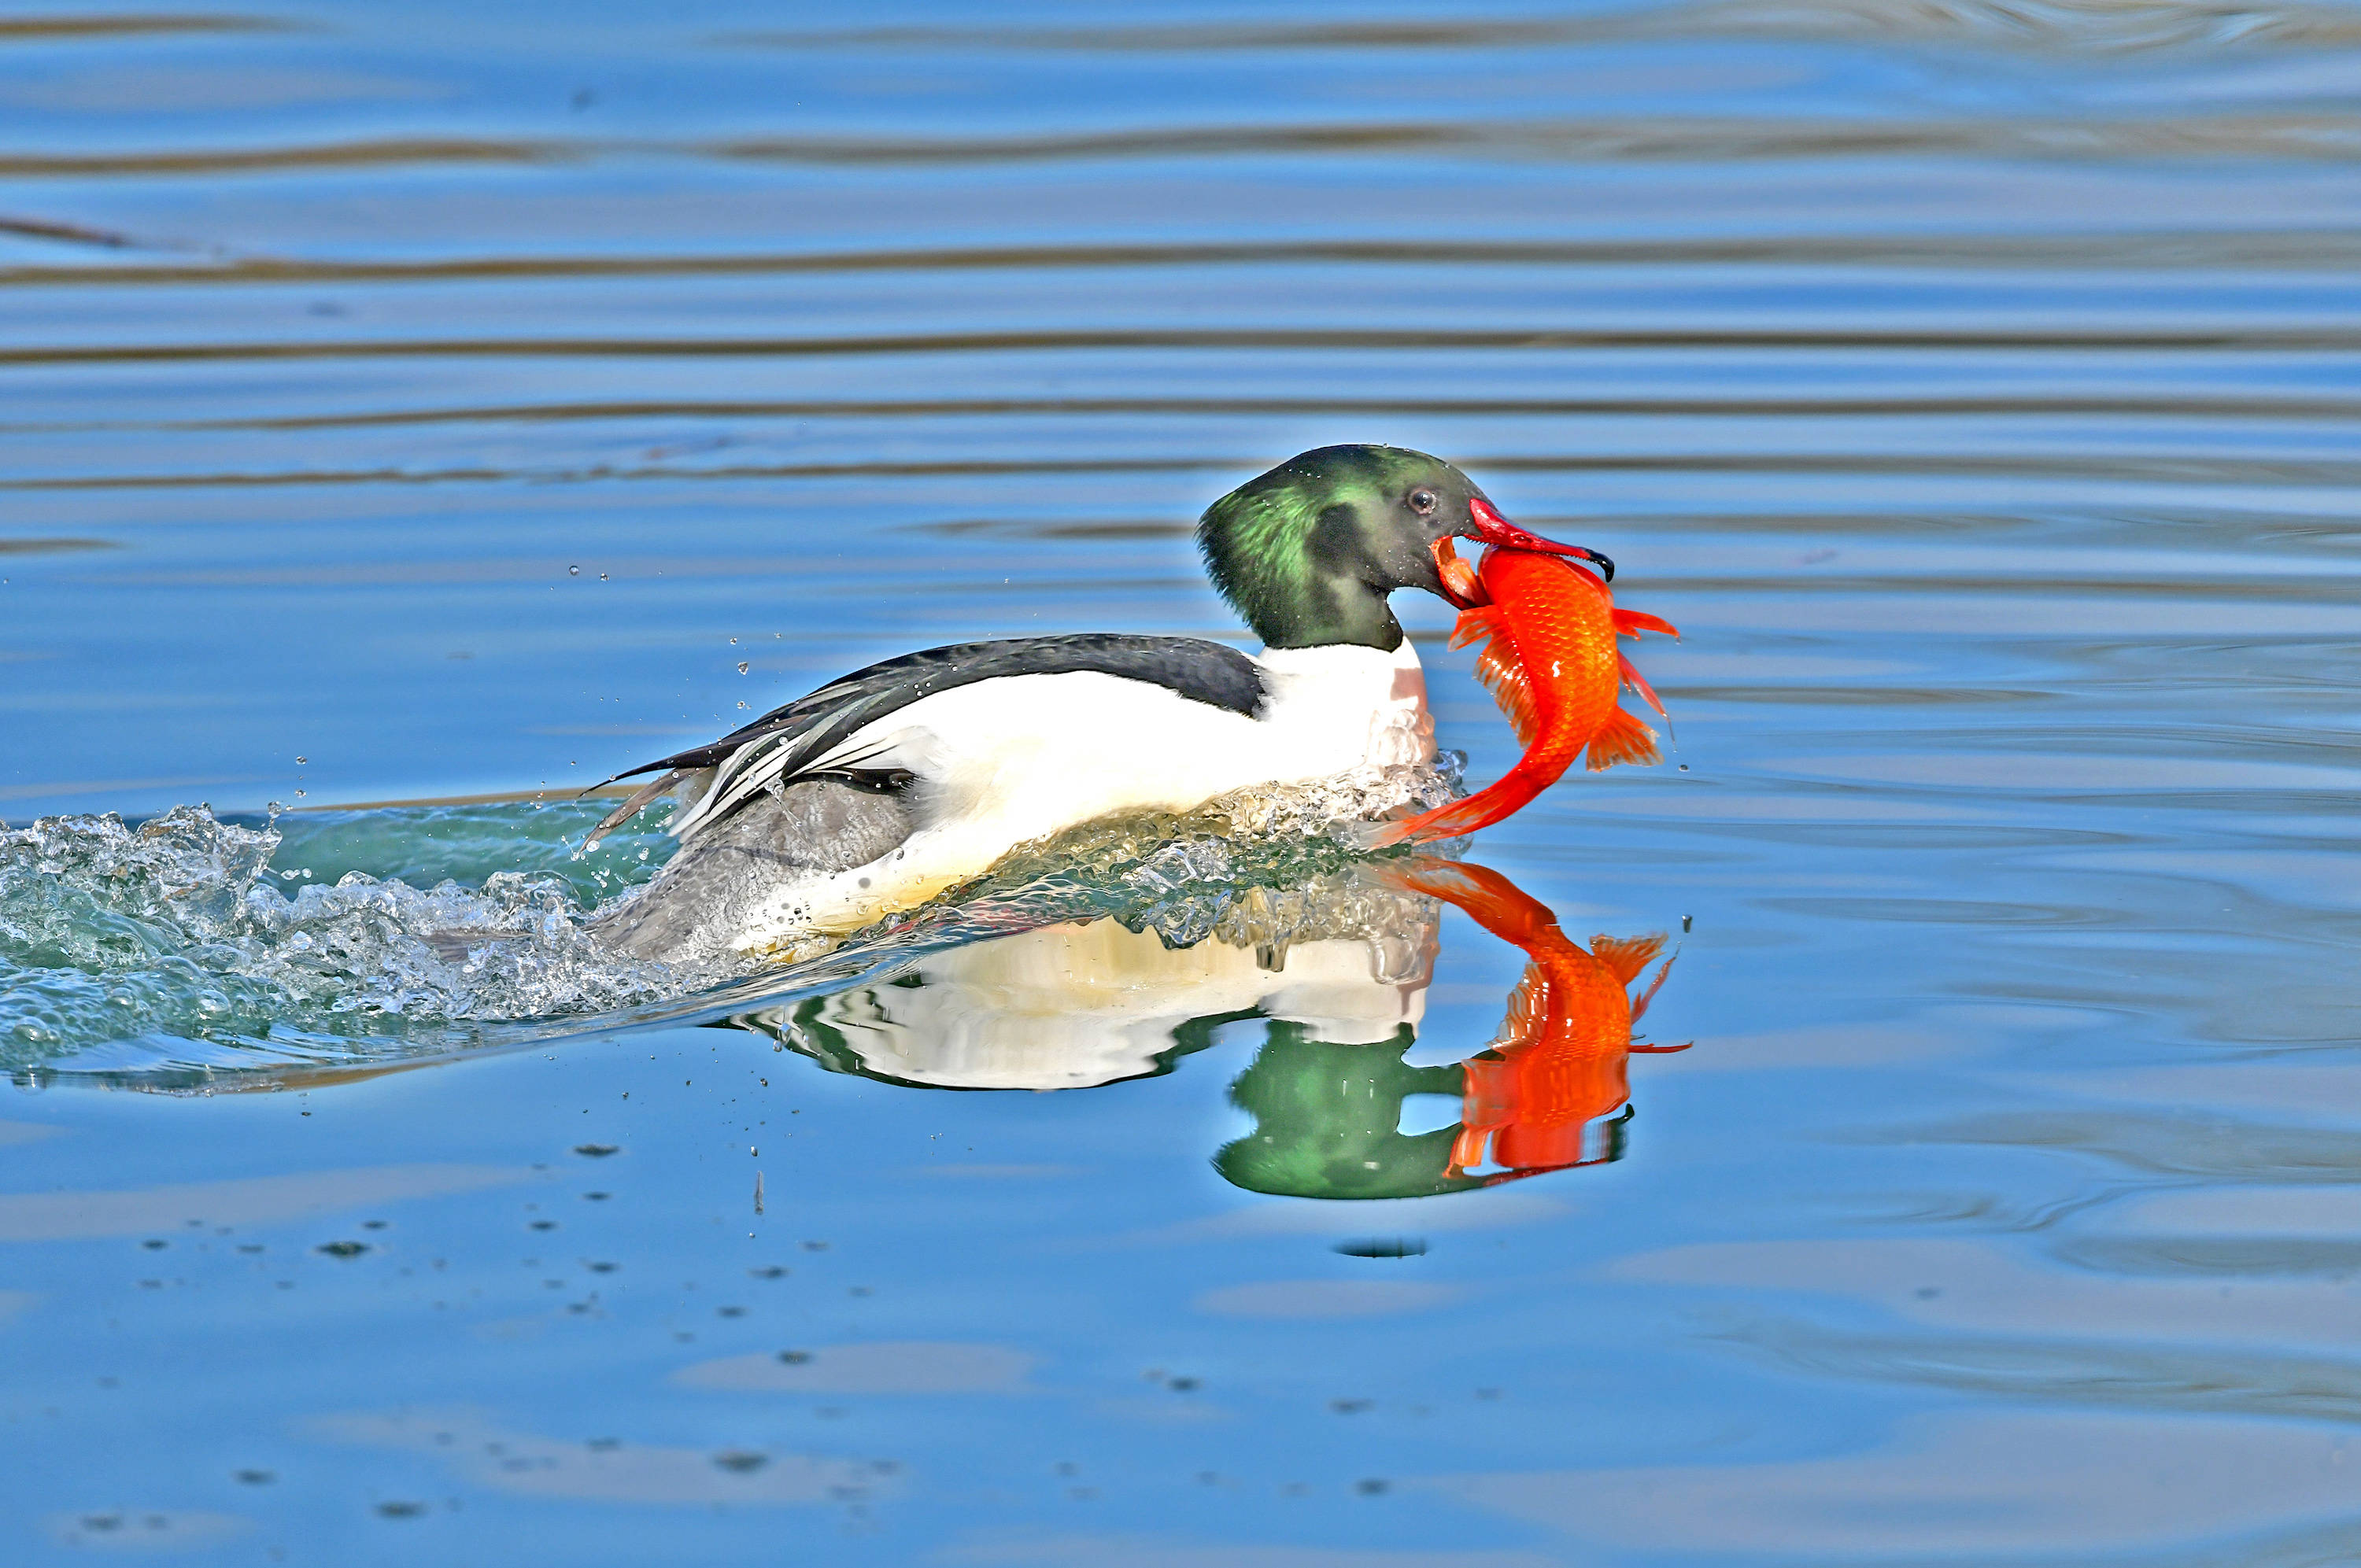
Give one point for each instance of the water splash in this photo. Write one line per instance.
(189, 930)
(174, 953)
(1237, 868)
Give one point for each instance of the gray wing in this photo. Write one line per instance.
(785, 744)
(715, 886)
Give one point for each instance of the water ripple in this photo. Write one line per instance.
(2098, 26)
(2324, 250)
(2328, 136)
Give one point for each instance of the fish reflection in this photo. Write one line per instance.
(1558, 1064)
(1337, 970)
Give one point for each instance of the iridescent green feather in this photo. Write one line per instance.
(1305, 574)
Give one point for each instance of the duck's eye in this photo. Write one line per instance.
(1422, 501)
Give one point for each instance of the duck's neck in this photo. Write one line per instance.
(1328, 614)
(1302, 575)
(1294, 600)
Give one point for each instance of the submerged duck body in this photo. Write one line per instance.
(880, 789)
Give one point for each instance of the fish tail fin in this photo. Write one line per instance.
(1625, 957)
(1631, 622)
(1495, 903)
(1461, 817)
(1622, 739)
(1639, 682)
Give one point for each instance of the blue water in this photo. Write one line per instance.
(422, 412)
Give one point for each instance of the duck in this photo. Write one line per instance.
(885, 787)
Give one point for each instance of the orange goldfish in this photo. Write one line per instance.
(1558, 1063)
(1550, 661)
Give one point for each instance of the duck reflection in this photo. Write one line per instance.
(1337, 970)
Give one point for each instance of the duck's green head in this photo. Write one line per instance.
(1307, 551)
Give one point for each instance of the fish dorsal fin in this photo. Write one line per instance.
(1622, 739)
(1625, 957)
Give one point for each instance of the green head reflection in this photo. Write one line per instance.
(1328, 1119)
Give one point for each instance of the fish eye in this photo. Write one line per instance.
(1423, 501)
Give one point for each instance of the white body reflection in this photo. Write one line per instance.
(1078, 1005)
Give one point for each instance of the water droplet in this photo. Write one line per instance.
(573, 571)
(1684, 767)
(733, 643)
(1384, 1246)
(301, 761)
(744, 665)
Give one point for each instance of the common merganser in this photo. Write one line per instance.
(882, 789)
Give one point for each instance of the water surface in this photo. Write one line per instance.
(430, 404)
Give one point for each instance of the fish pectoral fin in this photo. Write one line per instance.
(1622, 739)
(1625, 957)
(1504, 676)
(1500, 668)
(1478, 621)
(1631, 622)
